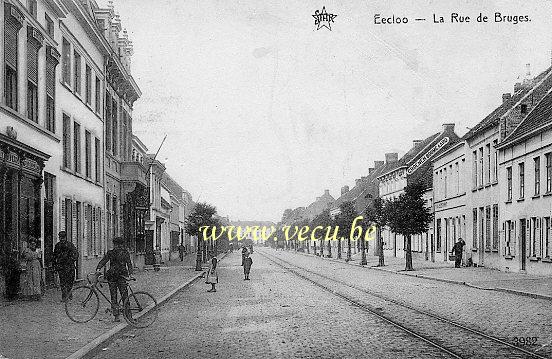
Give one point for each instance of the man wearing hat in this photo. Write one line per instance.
(65, 256)
(457, 249)
(120, 267)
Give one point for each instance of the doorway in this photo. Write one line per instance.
(523, 242)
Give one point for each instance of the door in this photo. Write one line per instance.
(150, 257)
(446, 244)
(523, 242)
(49, 228)
(481, 232)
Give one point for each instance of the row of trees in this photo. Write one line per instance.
(407, 215)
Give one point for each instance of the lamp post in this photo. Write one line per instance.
(198, 255)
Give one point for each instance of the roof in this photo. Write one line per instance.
(539, 117)
(493, 118)
(411, 154)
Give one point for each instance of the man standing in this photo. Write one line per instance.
(120, 266)
(181, 250)
(244, 252)
(65, 256)
(247, 262)
(458, 249)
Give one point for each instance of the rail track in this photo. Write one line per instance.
(454, 339)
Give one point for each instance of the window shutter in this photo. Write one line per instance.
(74, 223)
(34, 43)
(85, 233)
(538, 236)
(63, 214)
(13, 21)
(99, 242)
(52, 60)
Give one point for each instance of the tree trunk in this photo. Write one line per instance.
(329, 249)
(408, 253)
(379, 240)
(198, 255)
(314, 247)
(348, 249)
(308, 246)
(363, 261)
(339, 248)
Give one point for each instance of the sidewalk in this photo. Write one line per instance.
(477, 277)
(43, 330)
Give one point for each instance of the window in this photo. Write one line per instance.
(34, 43)
(547, 236)
(98, 160)
(49, 25)
(537, 175)
(88, 85)
(438, 235)
(457, 178)
(482, 227)
(535, 237)
(115, 128)
(77, 147)
(510, 238)
(495, 227)
(474, 169)
(488, 228)
(66, 141)
(12, 24)
(474, 234)
(98, 94)
(521, 180)
(445, 182)
(114, 209)
(51, 63)
(66, 61)
(108, 213)
(495, 161)
(523, 109)
(77, 72)
(548, 172)
(31, 4)
(480, 175)
(88, 154)
(108, 129)
(509, 183)
(88, 230)
(488, 164)
(67, 217)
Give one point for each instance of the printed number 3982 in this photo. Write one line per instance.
(523, 341)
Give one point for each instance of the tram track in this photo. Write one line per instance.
(455, 339)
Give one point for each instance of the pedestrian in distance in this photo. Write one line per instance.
(212, 275)
(120, 266)
(181, 251)
(247, 266)
(31, 287)
(458, 249)
(244, 252)
(65, 257)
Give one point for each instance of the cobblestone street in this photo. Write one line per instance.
(278, 314)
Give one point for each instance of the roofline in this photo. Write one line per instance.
(505, 144)
(450, 149)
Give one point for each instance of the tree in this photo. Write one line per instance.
(375, 214)
(408, 215)
(323, 219)
(203, 214)
(345, 220)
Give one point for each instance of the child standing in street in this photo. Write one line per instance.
(212, 275)
(247, 262)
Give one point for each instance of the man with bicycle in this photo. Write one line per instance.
(120, 267)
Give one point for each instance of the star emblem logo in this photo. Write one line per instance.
(323, 19)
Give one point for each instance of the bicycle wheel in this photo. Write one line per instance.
(83, 305)
(140, 309)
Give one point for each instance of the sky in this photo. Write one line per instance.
(263, 112)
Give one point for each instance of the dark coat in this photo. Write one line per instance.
(247, 262)
(65, 255)
(457, 249)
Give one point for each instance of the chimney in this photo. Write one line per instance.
(391, 157)
(506, 97)
(378, 164)
(518, 86)
(416, 142)
(370, 170)
(344, 190)
(448, 127)
(357, 182)
(326, 192)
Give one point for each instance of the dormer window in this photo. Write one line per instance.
(523, 109)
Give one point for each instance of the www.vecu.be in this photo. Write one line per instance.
(301, 233)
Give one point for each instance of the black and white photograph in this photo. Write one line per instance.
(275, 179)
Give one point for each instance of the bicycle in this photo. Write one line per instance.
(139, 308)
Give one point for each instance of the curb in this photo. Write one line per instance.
(449, 281)
(93, 346)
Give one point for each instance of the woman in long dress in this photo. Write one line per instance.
(32, 286)
(212, 275)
